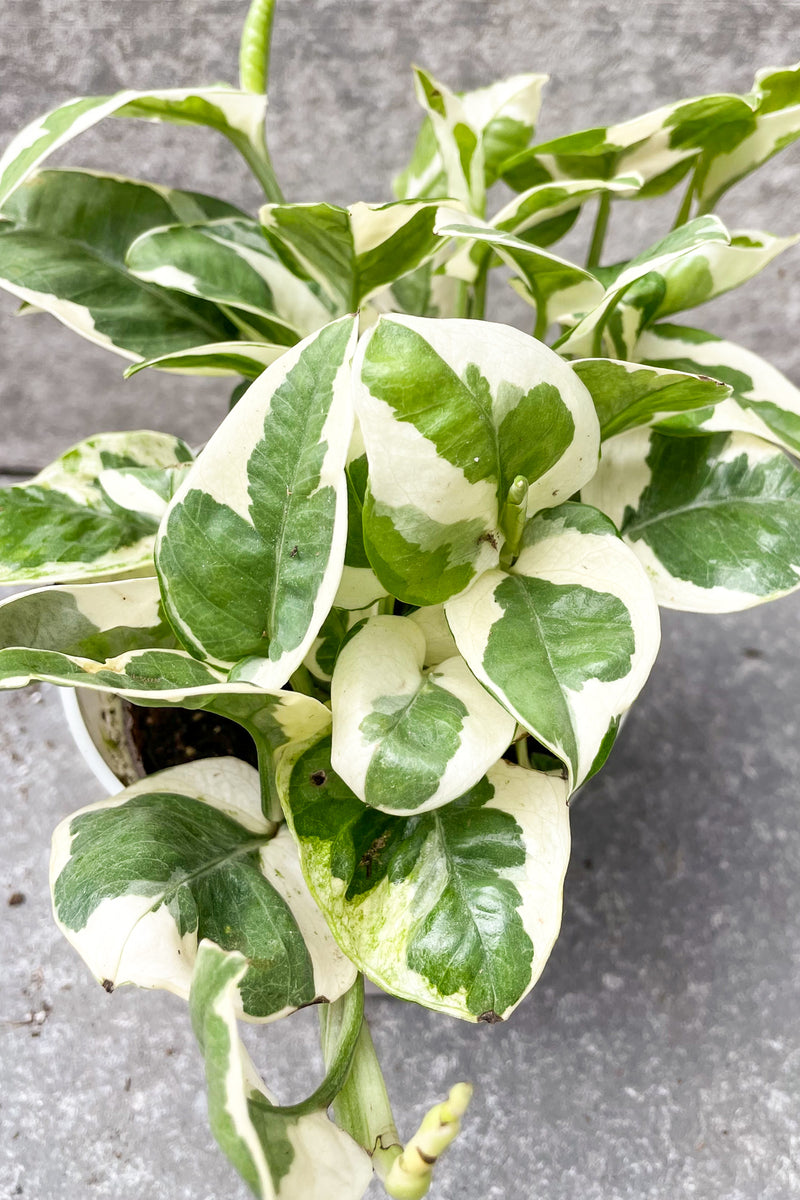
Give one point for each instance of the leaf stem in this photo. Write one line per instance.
(685, 210)
(599, 232)
(477, 301)
(362, 1106)
(344, 1021)
(258, 160)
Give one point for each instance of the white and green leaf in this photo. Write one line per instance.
(566, 637)
(92, 513)
(503, 117)
(237, 114)
(661, 146)
(271, 485)
(246, 359)
(282, 1154)
(230, 262)
(775, 125)
(585, 337)
(353, 253)
(62, 250)
(458, 908)
(691, 280)
(446, 409)
(140, 879)
(715, 520)
(627, 394)
(408, 740)
(763, 402)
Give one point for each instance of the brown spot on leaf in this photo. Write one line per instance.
(368, 858)
(318, 778)
(489, 537)
(108, 985)
(490, 1017)
(293, 552)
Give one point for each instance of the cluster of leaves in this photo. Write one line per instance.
(420, 561)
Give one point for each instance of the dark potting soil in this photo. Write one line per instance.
(168, 737)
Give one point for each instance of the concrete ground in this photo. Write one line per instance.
(658, 1057)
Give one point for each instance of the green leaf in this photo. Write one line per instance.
(281, 1155)
(92, 513)
(353, 253)
(237, 114)
(446, 409)
(626, 394)
(586, 336)
(407, 740)
(715, 520)
(63, 246)
(139, 879)
(502, 116)
(764, 402)
(566, 638)
(230, 262)
(271, 484)
(473, 945)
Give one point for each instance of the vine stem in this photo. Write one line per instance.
(254, 52)
(685, 210)
(599, 232)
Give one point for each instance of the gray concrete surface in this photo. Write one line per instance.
(658, 1057)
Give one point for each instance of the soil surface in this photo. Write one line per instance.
(168, 737)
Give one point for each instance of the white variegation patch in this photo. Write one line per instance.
(358, 588)
(439, 641)
(383, 662)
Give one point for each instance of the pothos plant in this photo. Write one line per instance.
(420, 561)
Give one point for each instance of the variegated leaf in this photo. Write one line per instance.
(237, 114)
(715, 520)
(586, 336)
(538, 217)
(474, 944)
(452, 412)
(627, 394)
(764, 402)
(554, 286)
(92, 513)
(775, 125)
(230, 262)
(660, 146)
(404, 739)
(271, 485)
(62, 249)
(459, 144)
(219, 358)
(425, 292)
(281, 1154)
(566, 638)
(502, 116)
(706, 272)
(139, 879)
(352, 253)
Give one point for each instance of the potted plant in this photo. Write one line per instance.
(419, 562)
